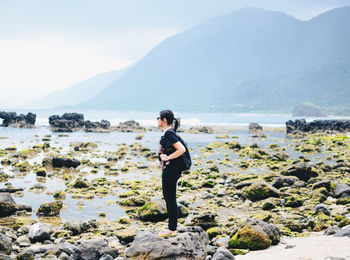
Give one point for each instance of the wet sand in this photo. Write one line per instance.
(314, 247)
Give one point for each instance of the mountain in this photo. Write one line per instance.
(77, 93)
(251, 60)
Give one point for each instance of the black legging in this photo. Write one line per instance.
(170, 175)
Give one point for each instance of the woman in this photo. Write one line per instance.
(170, 150)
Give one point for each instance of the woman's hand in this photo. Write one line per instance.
(164, 157)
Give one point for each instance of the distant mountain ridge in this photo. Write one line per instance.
(251, 60)
(77, 93)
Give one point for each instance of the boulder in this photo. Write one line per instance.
(205, 220)
(102, 126)
(223, 254)
(5, 244)
(154, 210)
(322, 208)
(69, 122)
(283, 181)
(278, 156)
(255, 235)
(66, 247)
(341, 189)
(260, 190)
(344, 232)
(39, 232)
(50, 209)
(94, 249)
(189, 243)
(76, 226)
(256, 130)
(65, 162)
(7, 204)
(13, 120)
(302, 171)
(323, 183)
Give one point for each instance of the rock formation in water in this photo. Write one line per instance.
(11, 119)
(71, 122)
(324, 126)
(256, 130)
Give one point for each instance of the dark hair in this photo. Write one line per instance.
(169, 115)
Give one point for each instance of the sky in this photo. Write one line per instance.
(47, 45)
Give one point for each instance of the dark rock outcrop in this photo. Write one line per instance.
(300, 126)
(65, 162)
(102, 126)
(68, 122)
(13, 120)
(71, 122)
(189, 243)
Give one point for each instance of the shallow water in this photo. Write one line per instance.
(107, 142)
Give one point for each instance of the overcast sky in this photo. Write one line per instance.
(47, 45)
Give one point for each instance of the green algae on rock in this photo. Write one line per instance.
(260, 190)
(50, 209)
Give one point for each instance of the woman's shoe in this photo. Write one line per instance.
(167, 233)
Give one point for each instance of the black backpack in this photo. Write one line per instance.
(186, 157)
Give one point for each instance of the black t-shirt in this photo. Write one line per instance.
(167, 141)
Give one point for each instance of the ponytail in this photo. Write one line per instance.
(171, 120)
(177, 123)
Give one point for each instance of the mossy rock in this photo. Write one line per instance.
(154, 211)
(214, 232)
(27, 153)
(41, 172)
(236, 251)
(344, 222)
(125, 235)
(233, 145)
(11, 148)
(124, 220)
(5, 161)
(23, 221)
(23, 166)
(260, 190)
(208, 184)
(50, 209)
(59, 195)
(80, 183)
(139, 137)
(343, 201)
(128, 194)
(247, 238)
(133, 201)
(293, 201)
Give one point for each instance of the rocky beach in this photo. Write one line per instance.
(251, 193)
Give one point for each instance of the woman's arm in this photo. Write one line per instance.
(180, 149)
